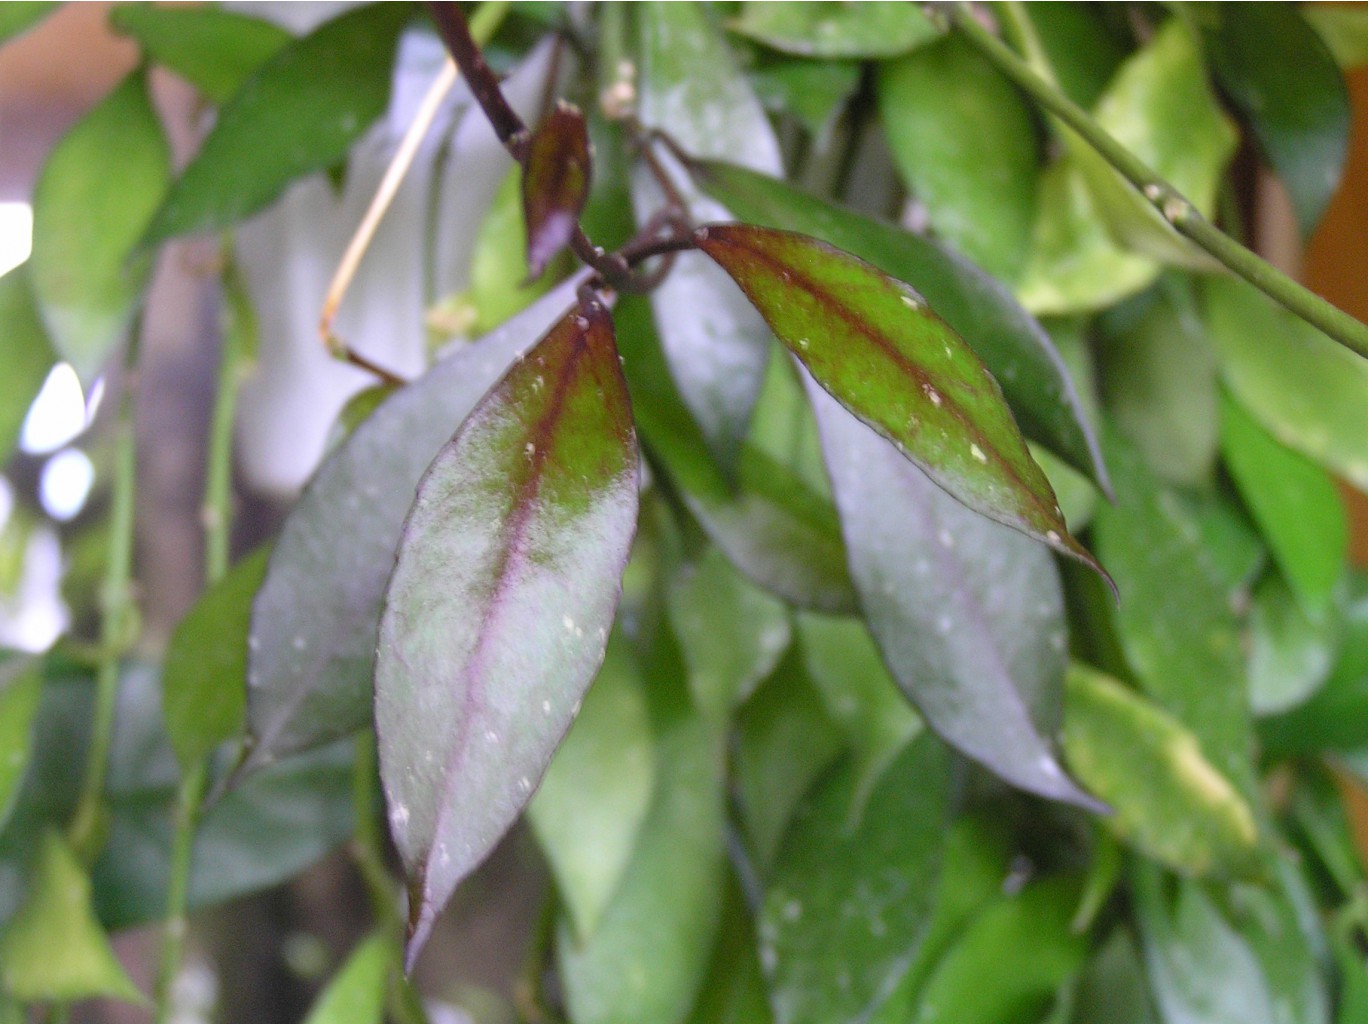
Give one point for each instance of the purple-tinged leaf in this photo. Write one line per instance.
(497, 615)
(969, 615)
(555, 184)
(314, 622)
(873, 344)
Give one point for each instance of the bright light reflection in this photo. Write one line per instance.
(16, 235)
(65, 484)
(6, 502)
(57, 415)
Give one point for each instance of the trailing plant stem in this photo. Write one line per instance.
(116, 610)
(1170, 204)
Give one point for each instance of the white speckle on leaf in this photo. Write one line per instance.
(1052, 536)
(977, 453)
(933, 395)
(399, 815)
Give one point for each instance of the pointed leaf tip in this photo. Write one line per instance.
(497, 617)
(875, 346)
(555, 184)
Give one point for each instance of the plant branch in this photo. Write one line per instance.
(1170, 204)
(116, 608)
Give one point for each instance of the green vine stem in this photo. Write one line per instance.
(217, 515)
(86, 831)
(1170, 204)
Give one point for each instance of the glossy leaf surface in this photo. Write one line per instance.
(850, 896)
(1293, 500)
(300, 112)
(1013, 346)
(356, 993)
(870, 341)
(315, 619)
(815, 92)
(1307, 391)
(836, 29)
(212, 49)
(499, 283)
(1174, 618)
(555, 184)
(968, 614)
(1291, 649)
(497, 613)
(1169, 801)
(204, 675)
(597, 791)
(54, 949)
(1285, 82)
(731, 632)
(979, 187)
(715, 343)
(734, 992)
(85, 286)
(21, 686)
(25, 353)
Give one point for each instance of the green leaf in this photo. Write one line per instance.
(815, 92)
(1304, 389)
(1015, 348)
(785, 741)
(1283, 928)
(1174, 616)
(1353, 996)
(850, 896)
(555, 184)
(212, 49)
(978, 186)
(1344, 30)
(734, 991)
(1169, 801)
(1199, 968)
(21, 686)
(1160, 107)
(17, 18)
(1336, 715)
(969, 615)
(836, 29)
(1159, 380)
(1010, 961)
(85, 285)
(772, 523)
(1111, 989)
(54, 949)
(1074, 265)
(1284, 81)
(870, 341)
(974, 870)
(860, 695)
(590, 806)
(496, 617)
(300, 112)
(204, 675)
(649, 957)
(356, 993)
(25, 352)
(499, 285)
(732, 633)
(1083, 50)
(715, 344)
(316, 616)
(1294, 501)
(1291, 651)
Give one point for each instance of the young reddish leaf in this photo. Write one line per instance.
(555, 184)
(873, 344)
(497, 616)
